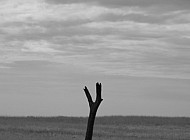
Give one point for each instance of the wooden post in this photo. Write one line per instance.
(93, 109)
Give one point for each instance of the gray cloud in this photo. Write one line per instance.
(113, 37)
(163, 4)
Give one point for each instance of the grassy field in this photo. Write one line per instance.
(106, 128)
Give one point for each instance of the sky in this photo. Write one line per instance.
(138, 49)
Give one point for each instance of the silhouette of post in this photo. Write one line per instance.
(93, 109)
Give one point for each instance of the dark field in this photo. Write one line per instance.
(106, 128)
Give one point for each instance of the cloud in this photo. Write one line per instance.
(22, 29)
(123, 3)
(4, 67)
(38, 47)
(142, 38)
(144, 27)
(38, 10)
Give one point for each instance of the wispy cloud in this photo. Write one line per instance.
(38, 47)
(147, 38)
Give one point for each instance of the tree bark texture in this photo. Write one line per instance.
(93, 109)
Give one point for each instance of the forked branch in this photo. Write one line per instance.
(98, 92)
(88, 96)
(93, 109)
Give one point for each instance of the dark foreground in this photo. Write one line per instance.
(106, 128)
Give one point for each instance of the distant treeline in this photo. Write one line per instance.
(106, 120)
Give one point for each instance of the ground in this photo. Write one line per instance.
(106, 128)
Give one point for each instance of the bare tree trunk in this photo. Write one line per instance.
(93, 109)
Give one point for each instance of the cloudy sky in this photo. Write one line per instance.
(138, 49)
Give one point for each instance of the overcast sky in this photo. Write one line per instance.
(138, 49)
